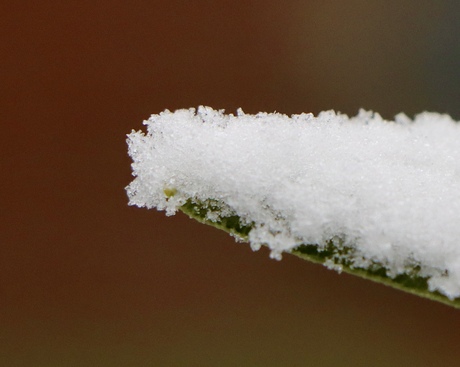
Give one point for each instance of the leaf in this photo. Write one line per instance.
(412, 283)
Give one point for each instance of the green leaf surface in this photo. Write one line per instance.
(333, 255)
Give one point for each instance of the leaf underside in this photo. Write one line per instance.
(412, 283)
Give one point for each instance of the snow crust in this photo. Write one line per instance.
(390, 190)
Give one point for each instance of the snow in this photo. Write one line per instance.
(390, 190)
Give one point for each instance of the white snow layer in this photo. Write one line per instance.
(389, 189)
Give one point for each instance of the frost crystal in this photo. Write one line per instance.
(388, 189)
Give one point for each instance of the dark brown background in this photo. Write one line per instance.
(86, 280)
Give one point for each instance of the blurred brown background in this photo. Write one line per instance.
(86, 280)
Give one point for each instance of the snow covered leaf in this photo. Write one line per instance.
(379, 199)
